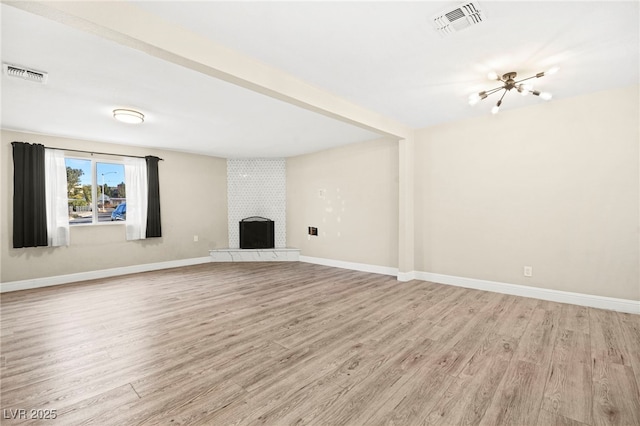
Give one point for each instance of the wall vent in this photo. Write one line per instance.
(25, 73)
(458, 18)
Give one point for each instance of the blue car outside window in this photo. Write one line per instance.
(120, 213)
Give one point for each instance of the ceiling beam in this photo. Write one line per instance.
(131, 26)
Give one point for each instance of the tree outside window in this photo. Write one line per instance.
(95, 190)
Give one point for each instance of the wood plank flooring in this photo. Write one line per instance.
(295, 343)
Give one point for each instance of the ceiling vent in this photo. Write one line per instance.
(458, 18)
(25, 73)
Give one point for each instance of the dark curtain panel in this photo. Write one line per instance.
(29, 203)
(154, 228)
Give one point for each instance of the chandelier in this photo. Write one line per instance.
(509, 82)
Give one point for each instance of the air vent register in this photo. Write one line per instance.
(455, 19)
(25, 73)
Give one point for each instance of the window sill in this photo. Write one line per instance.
(85, 225)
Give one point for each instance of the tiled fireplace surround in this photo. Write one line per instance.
(256, 187)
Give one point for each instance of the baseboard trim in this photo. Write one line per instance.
(601, 302)
(363, 267)
(406, 276)
(103, 273)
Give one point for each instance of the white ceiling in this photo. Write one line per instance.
(383, 56)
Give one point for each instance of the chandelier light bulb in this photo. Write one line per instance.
(477, 97)
(552, 71)
(524, 89)
(492, 75)
(546, 96)
(496, 108)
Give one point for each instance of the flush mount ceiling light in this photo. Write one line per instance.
(509, 82)
(128, 116)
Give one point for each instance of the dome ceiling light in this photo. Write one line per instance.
(128, 116)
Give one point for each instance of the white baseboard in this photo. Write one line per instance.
(406, 276)
(363, 267)
(601, 302)
(103, 273)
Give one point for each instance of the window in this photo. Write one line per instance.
(96, 191)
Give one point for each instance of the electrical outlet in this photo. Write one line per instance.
(528, 271)
(195, 238)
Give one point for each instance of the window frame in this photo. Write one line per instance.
(94, 188)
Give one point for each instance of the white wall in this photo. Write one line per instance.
(554, 186)
(257, 187)
(357, 213)
(193, 202)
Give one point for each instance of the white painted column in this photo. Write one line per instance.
(406, 246)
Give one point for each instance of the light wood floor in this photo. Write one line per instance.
(295, 343)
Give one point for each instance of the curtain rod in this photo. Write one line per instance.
(101, 153)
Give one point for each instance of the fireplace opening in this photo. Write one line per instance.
(256, 233)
